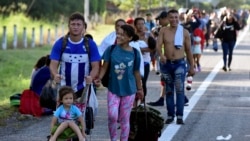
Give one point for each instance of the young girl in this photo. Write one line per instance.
(67, 115)
(198, 42)
(125, 81)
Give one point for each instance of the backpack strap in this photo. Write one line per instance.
(135, 52)
(64, 44)
(111, 49)
(86, 44)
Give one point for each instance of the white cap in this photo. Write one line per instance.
(182, 10)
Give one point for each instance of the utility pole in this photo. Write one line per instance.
(149, 5)
(86, 11)
(136, 8)
(166, 4)
(187, 3)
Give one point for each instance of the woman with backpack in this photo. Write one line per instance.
(125, 81)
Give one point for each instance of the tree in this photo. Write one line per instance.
(10, 6)
(101, 6)
(235, 4)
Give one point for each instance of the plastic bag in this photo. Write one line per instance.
(48, 95)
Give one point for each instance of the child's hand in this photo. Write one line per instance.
(83, 134)
(88, 79)
(97, 82)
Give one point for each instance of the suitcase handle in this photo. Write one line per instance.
(138, 103)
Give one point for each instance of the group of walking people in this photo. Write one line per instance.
(126, 55)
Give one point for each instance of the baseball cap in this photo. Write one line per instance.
(182, 10)
(130, 21)
(163, 14)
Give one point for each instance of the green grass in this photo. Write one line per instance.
(16, 65)
(15, 70)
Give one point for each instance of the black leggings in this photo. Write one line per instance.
(145, 78)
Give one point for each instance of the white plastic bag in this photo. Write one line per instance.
(93, 101)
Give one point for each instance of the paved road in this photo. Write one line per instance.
(219, 105)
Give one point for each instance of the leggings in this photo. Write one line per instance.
(145, 78)
(121, 106)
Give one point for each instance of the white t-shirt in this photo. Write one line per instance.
(146, 55)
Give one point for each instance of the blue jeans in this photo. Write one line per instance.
(227, 48)
(174, 76)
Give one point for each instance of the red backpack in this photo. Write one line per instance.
(29, 103)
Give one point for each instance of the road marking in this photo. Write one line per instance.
(228, 137)
(169, 132)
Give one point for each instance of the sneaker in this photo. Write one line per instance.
(179, 121)
(186, 104)
(199, 68)
(157, 73)
(229, 69)
(169, 120)
(224, 68)
(159, 102)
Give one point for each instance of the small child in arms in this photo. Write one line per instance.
(67, 115)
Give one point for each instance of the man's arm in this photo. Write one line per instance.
(159, 43)
(95, 66)
(187, 45)
(54, 70)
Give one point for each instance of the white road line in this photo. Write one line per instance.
(173, 128)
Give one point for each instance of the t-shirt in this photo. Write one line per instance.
(197, 41)
(149, 25)
(72, 114)
(74, 62)
(146, 55)
(110, 40)
(40, 78)
(122, 67)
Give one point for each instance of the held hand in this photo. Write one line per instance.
(191, 72)
(97, 82)
(225, 18)
(88, 79)
(140, 94)
(57, 78)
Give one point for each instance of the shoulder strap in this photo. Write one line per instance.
(86, 44)
(111, 49)
(135, 52)
(64, 44)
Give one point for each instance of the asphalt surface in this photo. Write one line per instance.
(221, 113)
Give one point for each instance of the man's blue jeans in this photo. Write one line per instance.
(174, 73)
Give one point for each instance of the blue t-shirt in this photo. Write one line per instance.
(72, 114)
(149, 25)
(74, 62)
(40, 78)
(122, 66)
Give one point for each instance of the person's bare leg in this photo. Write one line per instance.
(194, 58)
(77, 130)
(198, 62)
(59, 130)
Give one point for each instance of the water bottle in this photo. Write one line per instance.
(189, 83)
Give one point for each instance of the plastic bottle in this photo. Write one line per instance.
(189, 83)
